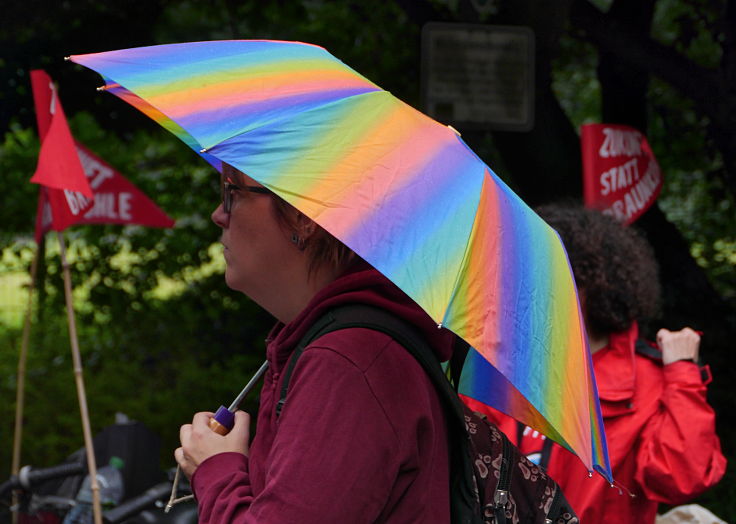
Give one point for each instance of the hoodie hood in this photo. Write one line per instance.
(361, 284)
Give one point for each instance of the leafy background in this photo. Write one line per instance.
(161, 335)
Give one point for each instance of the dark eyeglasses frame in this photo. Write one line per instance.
(227, 189)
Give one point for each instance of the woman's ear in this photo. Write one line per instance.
(305, 226)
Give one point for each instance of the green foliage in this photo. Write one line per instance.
(158, 363)
(712, 240)
(162, 338)
(18, 156)
(575, 83)
(695, 196)
(694, 28)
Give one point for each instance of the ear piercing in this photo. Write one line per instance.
(297, 241)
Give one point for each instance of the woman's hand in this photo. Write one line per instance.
(199, 442)
(678, 345)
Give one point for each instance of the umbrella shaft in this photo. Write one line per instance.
(252, 382)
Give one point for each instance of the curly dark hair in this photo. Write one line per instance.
(614, 267)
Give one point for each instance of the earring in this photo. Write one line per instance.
(297, 241)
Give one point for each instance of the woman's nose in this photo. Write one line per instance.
(219, 217)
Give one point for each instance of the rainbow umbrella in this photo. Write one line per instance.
(401, 190)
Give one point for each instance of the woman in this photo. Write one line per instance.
(362, 434)
(660, 429)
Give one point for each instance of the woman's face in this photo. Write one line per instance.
(257, 249)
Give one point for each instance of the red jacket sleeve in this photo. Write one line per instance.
(333, 457)
(680, 455)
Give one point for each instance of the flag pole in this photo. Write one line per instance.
(88, 444)
(21, 377)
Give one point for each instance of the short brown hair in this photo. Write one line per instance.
(321, 247)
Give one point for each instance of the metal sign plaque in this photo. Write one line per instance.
(479, 76)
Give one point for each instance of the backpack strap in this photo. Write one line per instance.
(369, 317)
(643, 348)
(365, 316)
(460, 350)
(317, 330)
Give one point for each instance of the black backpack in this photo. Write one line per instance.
(492, 482)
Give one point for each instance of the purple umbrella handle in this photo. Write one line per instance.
(223, 421)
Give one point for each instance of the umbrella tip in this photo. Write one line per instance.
(203, 150)
(102, 88)
(67, 58)
(455, 130)
(439, 326)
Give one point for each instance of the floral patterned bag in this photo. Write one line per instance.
(492, 482)
(508, 486)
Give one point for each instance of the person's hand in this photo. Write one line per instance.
(199, 442)
(678, 345)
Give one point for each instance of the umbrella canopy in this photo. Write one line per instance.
(401, 190)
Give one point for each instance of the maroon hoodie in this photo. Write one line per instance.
(362, 436)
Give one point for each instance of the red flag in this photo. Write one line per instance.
(58, 209)
(621, 177)
(117, 200)
(66, 188)
(43, 94)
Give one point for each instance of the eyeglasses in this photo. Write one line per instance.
(228, 188)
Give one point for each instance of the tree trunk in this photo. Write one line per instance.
(545, 162)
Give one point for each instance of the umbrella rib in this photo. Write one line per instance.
(281, 118)
(463, 262)
(280, 191)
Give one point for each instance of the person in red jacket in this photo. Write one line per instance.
(362, 435)
(660, 429)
